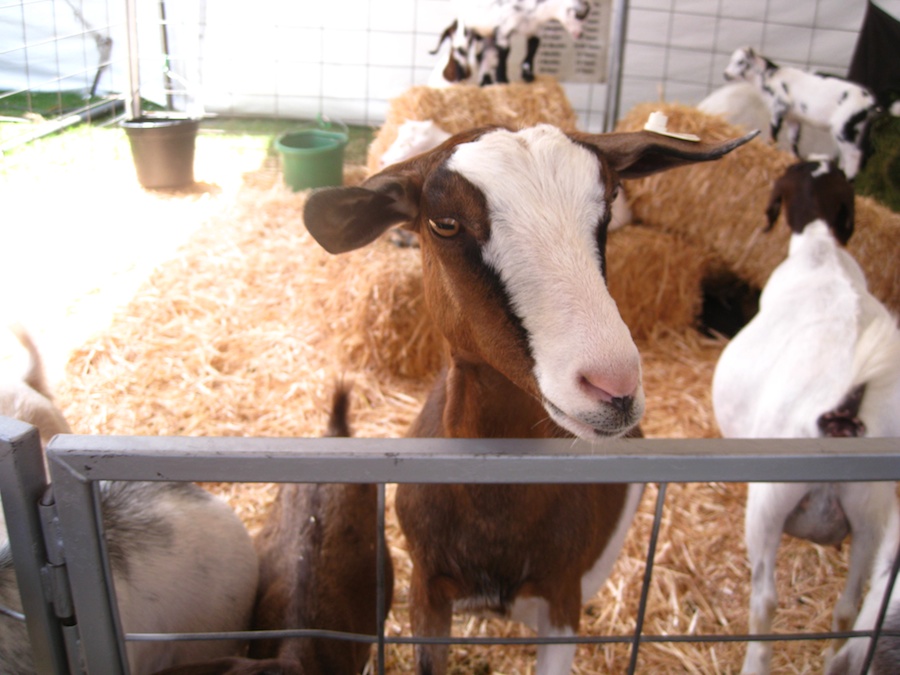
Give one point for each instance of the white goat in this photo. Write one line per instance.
(488, 25)
(181, 559)
(886, 661)
(512, 229)
(843, 108)
(821, 358)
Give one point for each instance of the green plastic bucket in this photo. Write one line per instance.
(313, 157)
(163, 150)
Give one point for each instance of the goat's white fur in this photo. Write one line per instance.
(192, 569)
(795, 96)
(818, 334)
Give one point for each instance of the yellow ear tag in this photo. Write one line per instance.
(657, 124)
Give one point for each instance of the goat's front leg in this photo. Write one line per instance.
(778, 110)
(767, 508)
(502, 60)
(556, 659)
(793, 135)
(430, 613)
(528, 62)
(868, 507)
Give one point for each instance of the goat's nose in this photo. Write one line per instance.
(617, 389)
(622, 403)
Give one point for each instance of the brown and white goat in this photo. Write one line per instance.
(512, 226)
(317, 554)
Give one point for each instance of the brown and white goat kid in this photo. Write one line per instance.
(182, 561)
(318, 556)
(512, 226)
(821, 358)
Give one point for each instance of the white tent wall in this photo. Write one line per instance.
(348, 59)
(51, 45)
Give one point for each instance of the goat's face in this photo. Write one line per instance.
(743, 65)
(574, 15)
(513, 229)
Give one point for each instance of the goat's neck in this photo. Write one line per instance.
(474, 400)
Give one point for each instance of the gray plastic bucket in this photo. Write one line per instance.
(163, 150)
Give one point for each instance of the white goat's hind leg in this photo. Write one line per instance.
(868, 507)
(553, 659)
(767, 508)
(763, 600)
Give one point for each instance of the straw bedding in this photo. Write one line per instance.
(244, 332)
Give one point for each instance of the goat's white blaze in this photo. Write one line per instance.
(545, 201)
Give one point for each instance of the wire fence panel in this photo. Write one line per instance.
(348, 60)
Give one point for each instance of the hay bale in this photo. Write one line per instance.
(376, 297)
(456, 109)
(656, 280)
(720, 206)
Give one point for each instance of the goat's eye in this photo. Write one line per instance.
(445, 227)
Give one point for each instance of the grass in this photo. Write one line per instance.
(880, 178)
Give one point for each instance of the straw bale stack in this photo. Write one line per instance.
(720, 206)
(656, 280)
(456, 109)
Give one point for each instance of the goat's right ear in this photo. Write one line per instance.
(343, 219)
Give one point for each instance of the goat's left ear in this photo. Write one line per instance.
(343, 219)
(642, 153)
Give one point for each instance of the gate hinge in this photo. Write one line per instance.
(54, 577)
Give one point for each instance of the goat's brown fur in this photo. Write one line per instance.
(318, 553)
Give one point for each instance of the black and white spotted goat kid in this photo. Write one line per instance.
(482, 31)
(795, 96)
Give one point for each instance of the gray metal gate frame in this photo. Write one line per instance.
(77, 463)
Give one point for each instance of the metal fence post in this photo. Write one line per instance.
(22, 484)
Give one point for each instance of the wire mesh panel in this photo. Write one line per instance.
(61, 63)
(348, 60)
(677, 49)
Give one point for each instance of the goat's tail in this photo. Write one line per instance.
(35, 377)
(338, 424)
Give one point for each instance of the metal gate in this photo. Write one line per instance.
(39, 518)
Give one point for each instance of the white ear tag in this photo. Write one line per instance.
(657, 124)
